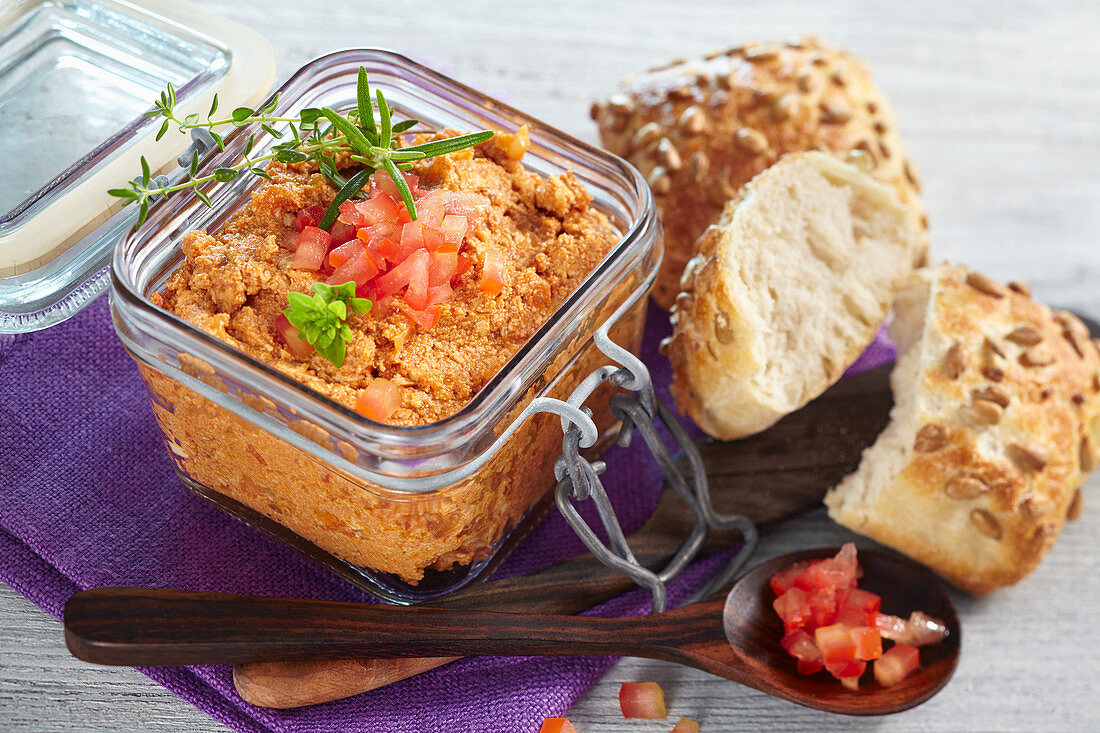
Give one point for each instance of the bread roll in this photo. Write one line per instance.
(787, 290)
(993, 430)
(700, 129)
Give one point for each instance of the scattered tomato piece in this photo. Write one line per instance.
(897, 663)
(642, 700)
(557, 725)
(686, 725)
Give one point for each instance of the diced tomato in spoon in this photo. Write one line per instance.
(794, 608)
(852, 616)
(868, 643)
(864, 600)
(897, 663)
(835, 643)
(783, 581)
(642, 700)
(800, 645)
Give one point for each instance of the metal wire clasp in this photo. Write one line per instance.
(579, 479)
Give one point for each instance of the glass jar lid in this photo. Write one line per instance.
(76, 77)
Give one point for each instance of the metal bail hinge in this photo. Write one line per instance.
(579, 479)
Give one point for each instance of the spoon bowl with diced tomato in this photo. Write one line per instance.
(863, 638)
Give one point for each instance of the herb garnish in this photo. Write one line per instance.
(321, 319)
(315, 134)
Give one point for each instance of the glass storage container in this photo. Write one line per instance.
(407, 513)
(76, 77)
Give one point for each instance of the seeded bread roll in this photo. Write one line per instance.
(787, 290)
(700, 129)
(992, 433)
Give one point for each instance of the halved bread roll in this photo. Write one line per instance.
(699, 129)
(993, 430)
(787, 290)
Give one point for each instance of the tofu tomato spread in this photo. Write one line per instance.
(495, 249)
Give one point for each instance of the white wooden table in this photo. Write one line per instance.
(999, 103)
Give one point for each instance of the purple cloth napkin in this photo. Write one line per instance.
(90, 499)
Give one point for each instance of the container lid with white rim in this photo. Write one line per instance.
(76, 77)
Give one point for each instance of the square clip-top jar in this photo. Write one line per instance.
(406, 512)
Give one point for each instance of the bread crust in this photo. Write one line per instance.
(723, 370)
(700, 129)
(1000, 437)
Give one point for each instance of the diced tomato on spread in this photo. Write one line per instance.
(642, 700)
(829, 623)
(375, 243)
(379, 400)
(299, 347)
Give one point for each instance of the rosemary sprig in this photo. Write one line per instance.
(315, 134)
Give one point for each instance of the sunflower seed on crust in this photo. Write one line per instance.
(931, 438)
(983, 284)
(965, 487)
(954, 362)
(986, 523)
(1029, 458)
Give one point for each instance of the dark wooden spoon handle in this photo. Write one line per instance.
(156, 627)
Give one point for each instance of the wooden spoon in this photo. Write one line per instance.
(150, 627)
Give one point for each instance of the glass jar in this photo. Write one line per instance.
(408, 513)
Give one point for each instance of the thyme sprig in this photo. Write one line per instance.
(316, 134)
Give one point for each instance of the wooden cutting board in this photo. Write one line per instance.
(776, 475)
